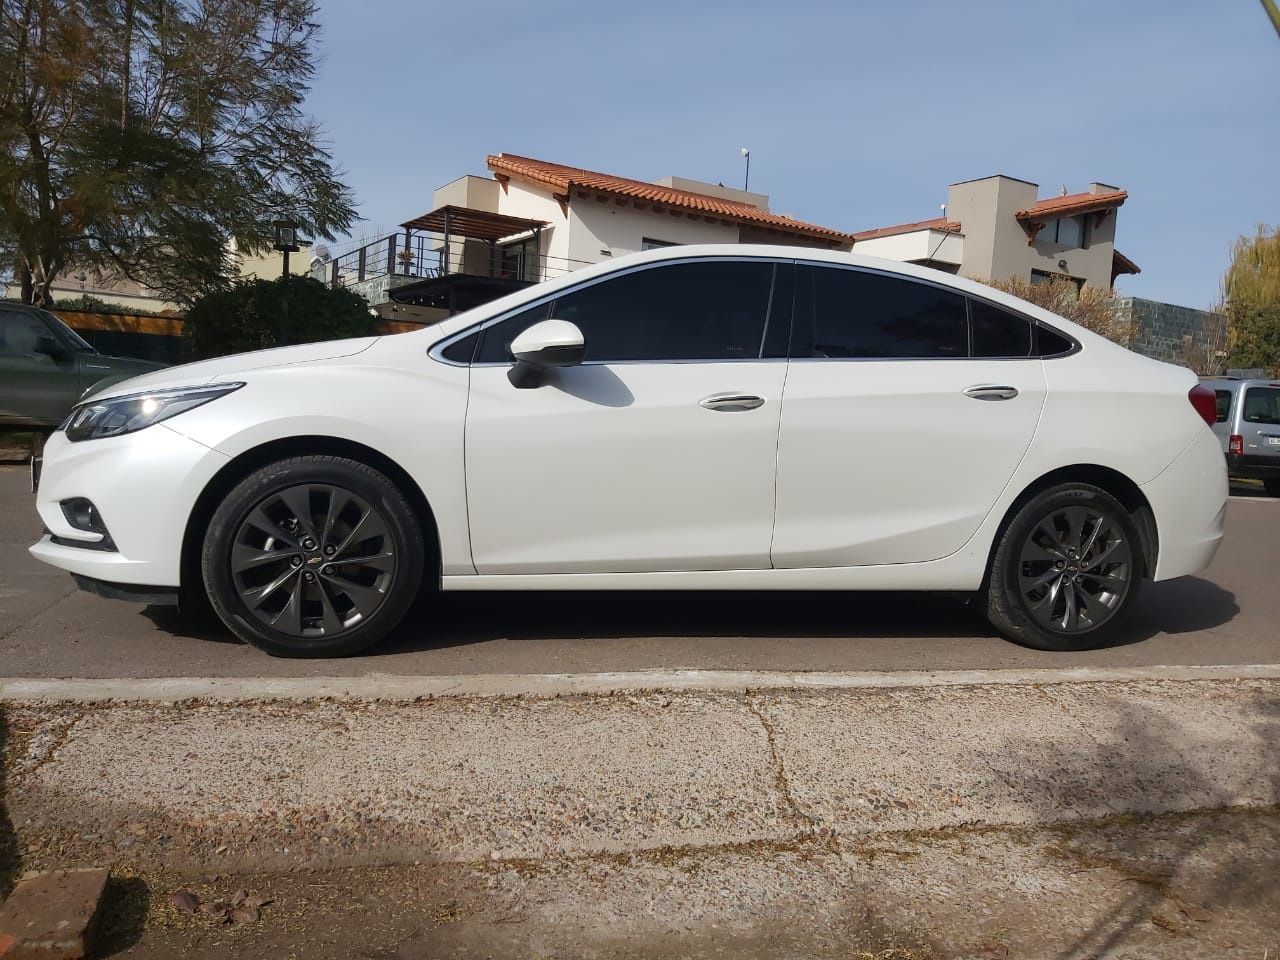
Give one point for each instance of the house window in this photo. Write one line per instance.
(648, 243)
(519, 260)
(1064, 231)
(1044, 276)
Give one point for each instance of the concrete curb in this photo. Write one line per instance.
(393, 688)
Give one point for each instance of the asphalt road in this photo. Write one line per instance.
(1228, 615)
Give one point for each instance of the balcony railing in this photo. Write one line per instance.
(422, 256)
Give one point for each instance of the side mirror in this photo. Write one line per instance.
(550, 343)
(51, 348)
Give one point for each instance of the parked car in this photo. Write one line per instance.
(45, 367)
(703, 417)
(1248, 426)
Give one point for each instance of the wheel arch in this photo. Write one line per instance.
(246, 462)
(1109, 479)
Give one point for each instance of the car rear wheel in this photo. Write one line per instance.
(313, 557)
(1066, 570)
(1272, 486)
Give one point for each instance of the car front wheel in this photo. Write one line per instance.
(1066, 571)
(313, 556)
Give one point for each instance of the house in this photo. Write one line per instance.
(534, 219)
(128, 296)
(998, 228)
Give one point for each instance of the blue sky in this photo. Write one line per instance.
(857, 114)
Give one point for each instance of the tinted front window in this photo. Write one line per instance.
(1262, 405)
(496, 345)
(870, 315)
(704, 310)
(998, 333)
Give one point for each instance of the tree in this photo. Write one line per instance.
(1094, 308)
(249, 315)
(1251, 300)
(139, 136)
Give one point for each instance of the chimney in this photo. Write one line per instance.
(1098, 189)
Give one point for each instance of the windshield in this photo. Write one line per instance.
(1262, 405)
(77, 341)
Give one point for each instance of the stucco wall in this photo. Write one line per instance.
(518, 200)
(917, 245)
(607, 226)
(995, 244)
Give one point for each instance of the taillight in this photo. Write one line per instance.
(1236, 444)
(1206, 403)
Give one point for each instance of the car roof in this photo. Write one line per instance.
(1233, 382)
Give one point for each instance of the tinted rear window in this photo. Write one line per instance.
(1224, 404)
(870, 315)
(1052, 343)
(998, 333)
(1262, 405)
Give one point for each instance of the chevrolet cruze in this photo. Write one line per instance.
(718, 417)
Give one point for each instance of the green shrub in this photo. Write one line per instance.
(250, 316)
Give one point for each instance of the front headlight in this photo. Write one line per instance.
(116, 416)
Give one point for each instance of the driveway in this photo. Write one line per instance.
(1228, 615)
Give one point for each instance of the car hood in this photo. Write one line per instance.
(195, 374)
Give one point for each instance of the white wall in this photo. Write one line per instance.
(519, 200)
(917, 245)
(607, 226)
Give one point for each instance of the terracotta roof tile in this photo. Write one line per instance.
(1072, 203)
(563, 178)
(937, 223)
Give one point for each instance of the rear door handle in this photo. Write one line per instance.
(988, 391)
(731, 402)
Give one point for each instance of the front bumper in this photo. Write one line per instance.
(143, 484)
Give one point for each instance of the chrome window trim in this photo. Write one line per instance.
(435, 353)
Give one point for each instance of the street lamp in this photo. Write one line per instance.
(286, 243)
(746, 180)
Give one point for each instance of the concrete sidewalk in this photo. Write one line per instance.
(858, 816)
(275, 784)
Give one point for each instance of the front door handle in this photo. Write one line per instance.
(731, 402)
(988, 391)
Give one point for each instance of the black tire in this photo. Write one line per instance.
(348, 601)
(1031, 593)
(1272, 486)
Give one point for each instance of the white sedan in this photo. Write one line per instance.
(692, 418)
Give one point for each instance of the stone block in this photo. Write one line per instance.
(52, 916)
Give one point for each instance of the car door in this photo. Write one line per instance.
(646, 457)
(39, 376)
(895, 442)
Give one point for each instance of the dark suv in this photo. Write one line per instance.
(45, 367)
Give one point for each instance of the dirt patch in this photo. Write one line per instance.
(1178, 886)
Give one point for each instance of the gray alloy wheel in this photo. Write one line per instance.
(1076, 566)
(313, 560)
(313, 556)
(1066, 569)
